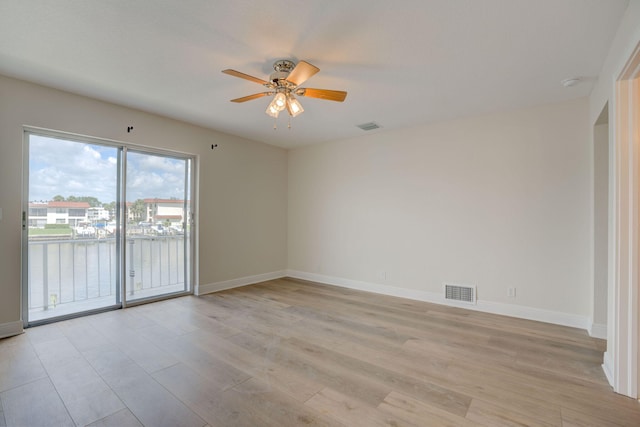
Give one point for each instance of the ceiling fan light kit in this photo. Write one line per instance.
(293, 106)
(284, 84)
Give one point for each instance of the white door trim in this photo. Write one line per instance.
(621, 359)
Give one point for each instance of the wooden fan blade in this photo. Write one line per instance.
(235, 73)
(251, 97)
(301, 73)
(329, 95)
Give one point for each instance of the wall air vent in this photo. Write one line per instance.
(369, 126)
(460, 293)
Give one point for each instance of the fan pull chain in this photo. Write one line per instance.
(289, 123)
(275, 123)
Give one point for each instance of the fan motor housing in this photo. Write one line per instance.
(282, 69)
(284, 65)
(278, 76)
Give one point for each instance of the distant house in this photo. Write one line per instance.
(98, 214)
(163, 210)
(71, 213)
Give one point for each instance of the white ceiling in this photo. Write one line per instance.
(403, 62)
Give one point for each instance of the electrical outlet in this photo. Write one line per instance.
(511, 292)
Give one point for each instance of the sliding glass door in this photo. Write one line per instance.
(104, 225)
(158, 212)
(71, 256)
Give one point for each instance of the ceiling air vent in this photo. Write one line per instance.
(369, 126)
(460, 293)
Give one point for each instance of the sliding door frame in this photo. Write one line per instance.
(190, 223)
(189, 241)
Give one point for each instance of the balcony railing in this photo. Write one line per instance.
(68, 275)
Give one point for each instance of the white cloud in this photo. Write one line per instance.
(71, 168)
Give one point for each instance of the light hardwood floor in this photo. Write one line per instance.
(293, 353)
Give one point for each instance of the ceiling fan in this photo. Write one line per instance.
(285, 83)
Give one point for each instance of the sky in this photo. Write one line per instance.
(69, 168)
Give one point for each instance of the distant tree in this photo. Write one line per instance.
(111, 207)
(92, 201)
(138, 209)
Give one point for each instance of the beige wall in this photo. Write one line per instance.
(497, 201)
(242, 210)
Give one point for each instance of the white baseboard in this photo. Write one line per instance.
(598, 330)
(236, 283)
(607, 367)
(10, 329)
(537, 314)
(366, 286)
(513, 310)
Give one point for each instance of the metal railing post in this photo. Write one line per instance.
(45, 276)
(73, 270)
(60, 272)
(98, 261)
(132, 271)
(86, 271)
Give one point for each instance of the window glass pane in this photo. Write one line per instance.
(72, 266)
(158, 206)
